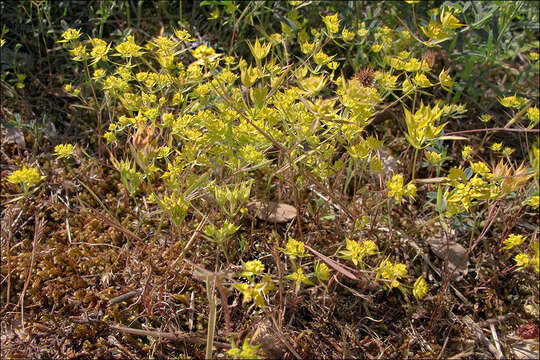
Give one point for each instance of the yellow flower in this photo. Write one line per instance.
(100, 49)
(376, 48)
(466, 152)
(79, 52)
(253, 267)
(362, 31)
(446, 80)
(392, 272)
(182, 35)
(322, 272)
(347, 35)
(205, 55)
(513, 101)
(481, 168)
(259, 51)
(433, 157)
(25, 177)
(533, 115)
(413, 65)
(533, 55)
(421, 126)
(63, 150)
(407, 87)
(420, 288)
(522, 260)
(513, 240)
(421, 80)
(307, 47)
(70, 35)
(356, 251)
(128, 48)
(165, 46)
(332, 23)
(295, 248)
(98, 74)
(321, 58)
(485, 118)
(434, 31)
(333, 65)
(397, 190)
(496, 146)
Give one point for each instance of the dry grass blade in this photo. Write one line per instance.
(210, 290)
(335, 265)
(38, 230)
(7, 233)
(116, 225)
(176, 336)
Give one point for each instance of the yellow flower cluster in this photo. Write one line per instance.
(523, 260)
(513, 101)
(253, 290)
(63, 150)
(295, 249)
(25, 177)
(397, 191)
(299, 277)
(332, 23)
(391, 272)
(421, 128)
(253, 267)
(513, 240)
(247, 351)
(420, 288)
(356, 251)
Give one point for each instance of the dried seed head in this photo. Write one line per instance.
(365, 76)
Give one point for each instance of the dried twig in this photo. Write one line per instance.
(38, 230)
(175, 336)
(124, 297)
(115, 225)
(333, 264)
(7, 234)
(281, 337)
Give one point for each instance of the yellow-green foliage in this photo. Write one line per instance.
(203, 123)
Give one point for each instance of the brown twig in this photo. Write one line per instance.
(115, 225)
(489, 129)
(176, 336)
(225, 306)
(333, 264)
(7, 235)
(124, 297)
(38, 230)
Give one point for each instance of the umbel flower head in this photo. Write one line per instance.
(421, 128)
(63, 150)
(70, 35)
(259, 51)
(397, 190)
(25, 177)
